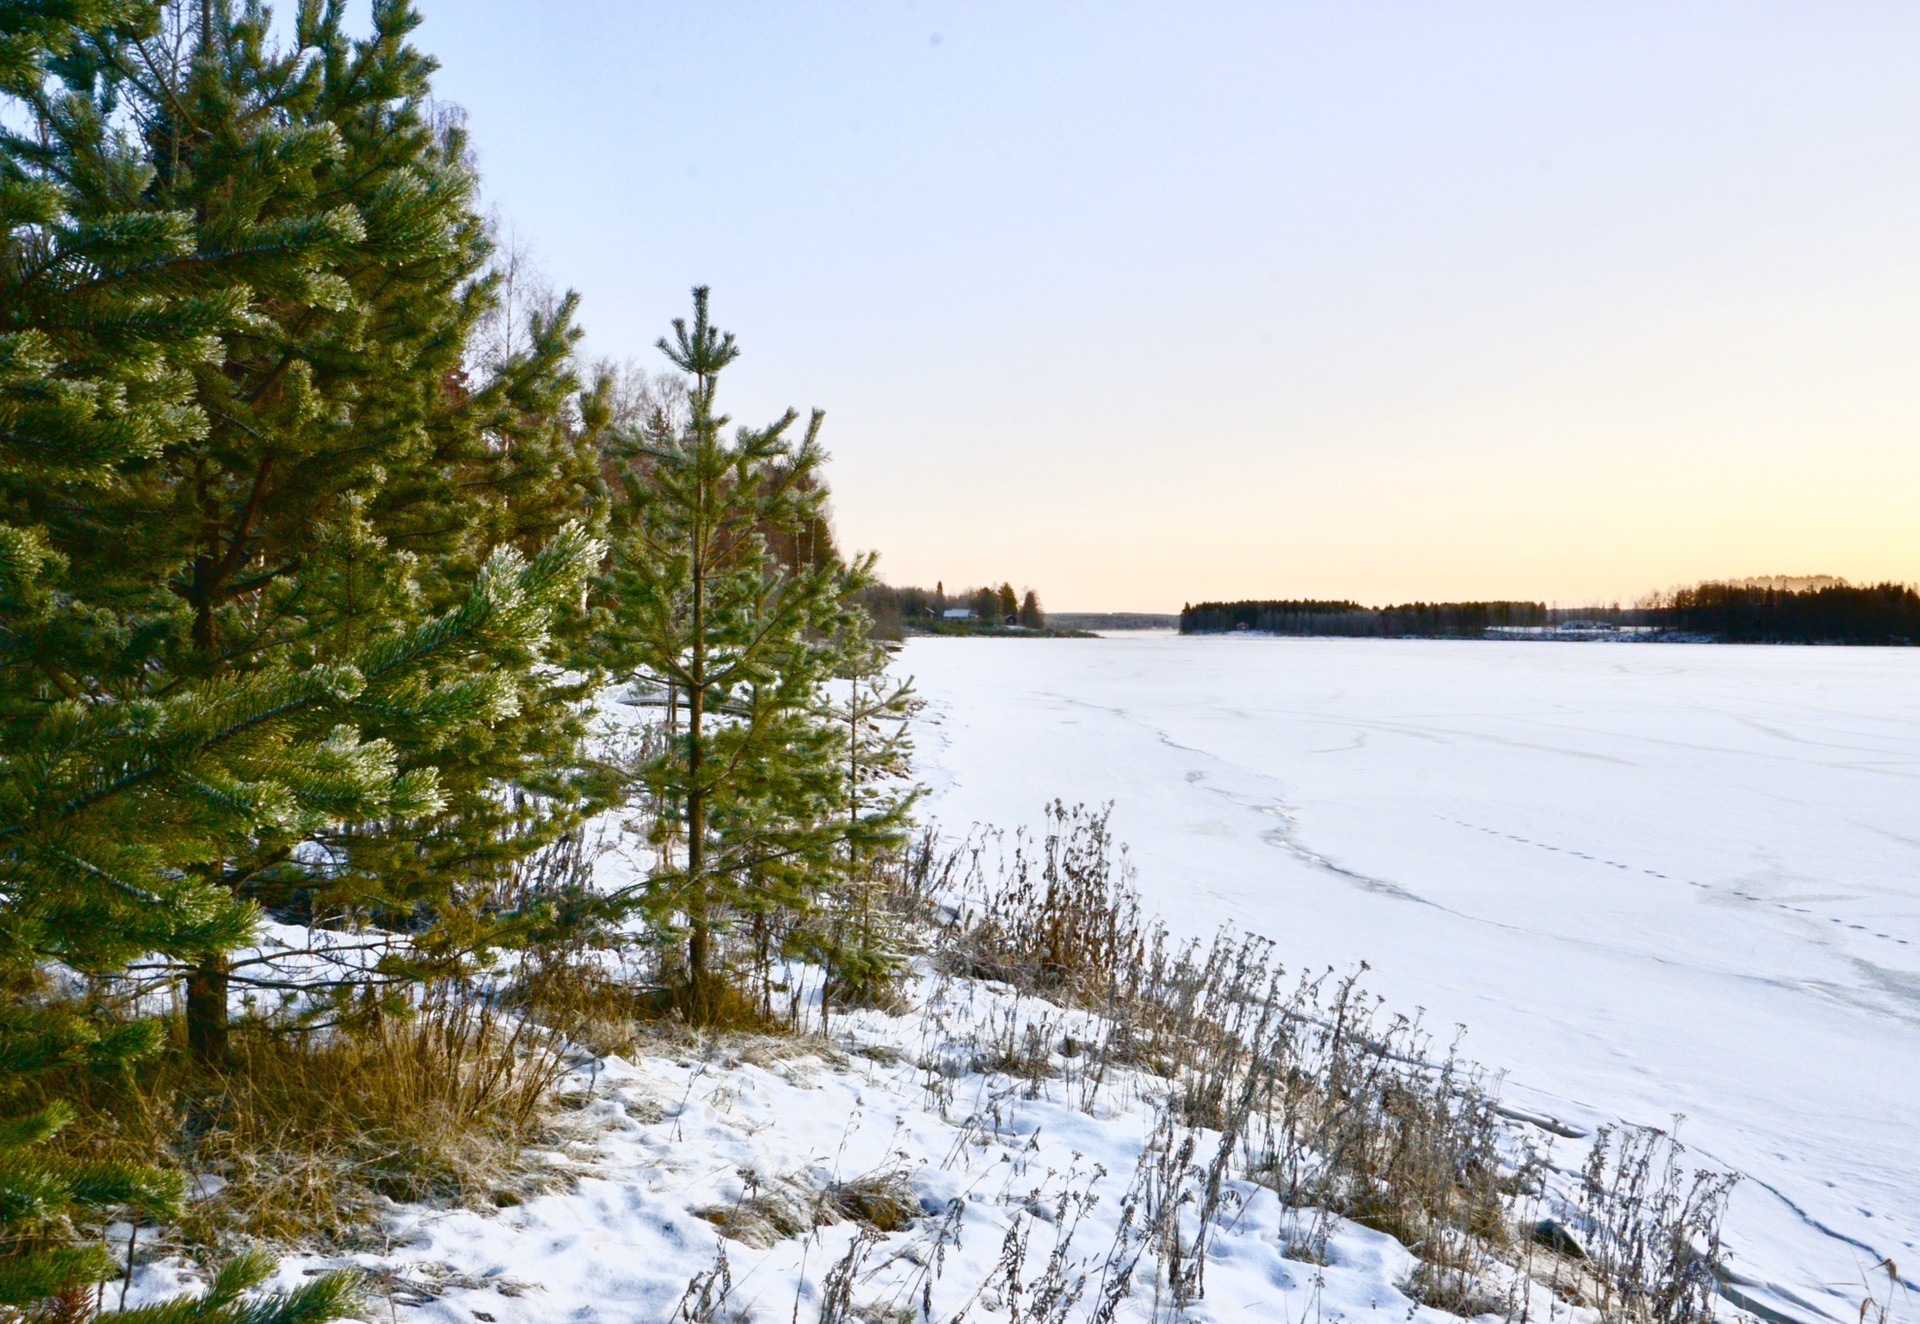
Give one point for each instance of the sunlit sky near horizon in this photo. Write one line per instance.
(1140, 304)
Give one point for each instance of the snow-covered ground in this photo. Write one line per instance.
(1650, 879)
(1019, 1198)
(993, 1168)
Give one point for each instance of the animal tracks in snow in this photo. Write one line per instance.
(1690, 882)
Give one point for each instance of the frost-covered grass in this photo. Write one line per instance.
(305, 1137)
(1063, 1114)
(902, 1167)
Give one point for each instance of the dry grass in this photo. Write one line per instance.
(1305, 1084)
(1057, 917)
(619, 1011)
(1653, 1227)
(594, 1008)
(792, 1206)
(309, 1136)
(1340, 1105)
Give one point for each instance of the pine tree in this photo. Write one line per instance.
(270, 564)
(44, 1265)
(178, 699)
(39, 1194)
(98, 335)
(700, 603)
(871, 711)
(1031, 616)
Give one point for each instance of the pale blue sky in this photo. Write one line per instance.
(1143, 303)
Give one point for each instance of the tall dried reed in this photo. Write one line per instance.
(1304, 1083)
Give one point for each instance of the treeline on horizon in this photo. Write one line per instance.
(1761, 613)
(989, 610)
(1820, 610)
(1444, 620)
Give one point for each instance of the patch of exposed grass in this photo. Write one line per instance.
(794, 1205)
(304, 1138)
(617, 1013)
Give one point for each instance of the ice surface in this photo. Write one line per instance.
(1650, 879)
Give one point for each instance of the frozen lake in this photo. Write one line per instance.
(1650, 879)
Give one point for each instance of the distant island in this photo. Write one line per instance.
(1818, 609)
(992, 612)
(989, 611)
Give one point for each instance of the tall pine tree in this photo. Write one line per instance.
(141, 751)
(699, 601)
(273, 568)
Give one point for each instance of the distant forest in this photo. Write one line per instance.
(897, 612)
(1819, 610)
(1442, 620)
(1758, 613)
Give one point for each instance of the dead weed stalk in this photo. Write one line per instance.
(1306, 1084)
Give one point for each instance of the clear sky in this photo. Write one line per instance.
(1138, 304)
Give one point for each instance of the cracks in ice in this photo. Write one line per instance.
(1282, 836)
(1285, 836)
(1816, 1225)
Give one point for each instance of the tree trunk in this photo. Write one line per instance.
(207, 980)
(207, 1010)
(697, 953)
(697, 936)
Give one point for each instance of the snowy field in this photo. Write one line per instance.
(1650, 879)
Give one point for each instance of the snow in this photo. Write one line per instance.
(653, 1144)
(664, 1140)
(647, 1149)
(1651, 879)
